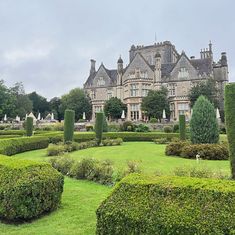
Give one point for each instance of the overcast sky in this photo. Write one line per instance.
(48, 44)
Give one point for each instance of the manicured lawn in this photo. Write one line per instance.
(151, 157)
(81, 198)
(75, 217)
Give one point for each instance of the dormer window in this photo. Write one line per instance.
(101, 81)
(183, 73)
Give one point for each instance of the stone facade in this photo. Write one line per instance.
(149, 68)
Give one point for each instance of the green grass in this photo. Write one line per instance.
(76, 215)
(150, 156)
(81, 198)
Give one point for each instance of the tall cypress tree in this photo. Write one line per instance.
(182, 127)
(29, 126)
(99, 126)
(69, 118)
(203, 125)
(230, 123)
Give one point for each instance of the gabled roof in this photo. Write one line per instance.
(152, 67)
(111, 73)
(90, 79)
(202, 65)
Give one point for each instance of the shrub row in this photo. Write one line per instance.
(112, 142)
(61, 148)
(56, 137)
(86, 168)
(206, 151)
(93, 169)
(12, 132)
(18, 145)
(199, 172)
(28, 189)
(9, 136)
(168, 205)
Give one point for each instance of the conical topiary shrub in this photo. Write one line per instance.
(99, 126)
(182, 127)
(203, 125)
(29, 126)
(69, 118)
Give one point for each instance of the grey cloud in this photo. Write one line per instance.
(48, 44)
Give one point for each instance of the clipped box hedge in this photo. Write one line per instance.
(168, 205)
(126, 136)
(18, 145)
(12, 132)
(28, 189)
(206, 151)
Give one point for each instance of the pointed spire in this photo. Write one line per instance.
(120, 61)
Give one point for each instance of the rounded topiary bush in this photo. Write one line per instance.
(153, 120)
(203, 125)
(28, 189)
(168, 129)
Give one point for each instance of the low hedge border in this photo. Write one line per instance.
(9, 136)
(168, 205)
(12, 132)
(18, 145)
(206, 151)
(55, 137)
(28, 189)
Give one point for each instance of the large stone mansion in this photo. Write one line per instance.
(149, 68)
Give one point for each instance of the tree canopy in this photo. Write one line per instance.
(78, 101)
(113, 108)
(22, 102)
(208, 89)
(40, 103)
(7, 100)
(55, 107)
(154, 103)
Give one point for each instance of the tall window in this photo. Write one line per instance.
(183, 108)
(145, 89)
(93, 95)
(98, 108)
(183, 73)
(171, 89)
(134, 90)
(135, 112)
(109, 94)
(101, 81)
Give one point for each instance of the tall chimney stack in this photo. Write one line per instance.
(92, 70)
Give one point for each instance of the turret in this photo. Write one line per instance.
(158, 65)
(92, 70)
(119, 70)
(120, 65)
